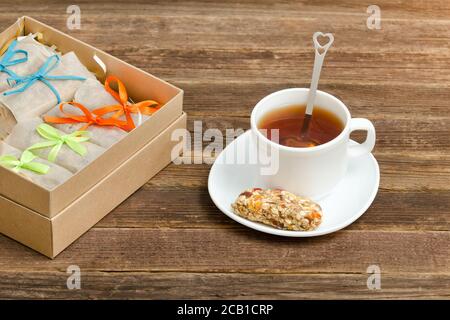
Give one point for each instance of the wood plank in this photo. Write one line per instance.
(426, 136)
(169, 285)
(399, 174)
(380, 101)
(191, 207)
(411, 10)
(256, 26)
(226, 55)
(240, 250)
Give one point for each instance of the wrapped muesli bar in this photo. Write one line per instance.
(24, 56)
(278, 208)
(93, 95)
(55, 81)
(44, 173)
(70, 151)
(90, 96)
(104, 112)
(115, 103)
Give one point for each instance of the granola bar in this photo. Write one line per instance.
(278, 208)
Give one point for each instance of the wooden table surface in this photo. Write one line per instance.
(168, 240)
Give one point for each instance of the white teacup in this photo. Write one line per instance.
(315, 171)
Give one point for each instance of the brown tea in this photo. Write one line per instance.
(324, 126)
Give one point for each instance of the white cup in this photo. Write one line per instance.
(312, 172)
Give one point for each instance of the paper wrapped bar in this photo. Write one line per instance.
(36, 55)
(39, 98)
(24, 135)
(55, 176)
(91, 95)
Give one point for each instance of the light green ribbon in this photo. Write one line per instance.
(56, 141)
(25, 162)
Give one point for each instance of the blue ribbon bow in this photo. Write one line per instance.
(7, 58)
(40, 75)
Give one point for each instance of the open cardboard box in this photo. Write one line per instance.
(140, 86)
(50, 236)
(49, 220)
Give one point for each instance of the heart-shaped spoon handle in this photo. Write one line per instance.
(320, 52)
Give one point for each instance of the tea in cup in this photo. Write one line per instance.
(305, 168)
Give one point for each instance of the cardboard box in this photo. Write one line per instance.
(140, 86)
(50, 236)
(49, 221)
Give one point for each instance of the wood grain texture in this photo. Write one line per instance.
(169, 241)
(181, 285)
(241, 250)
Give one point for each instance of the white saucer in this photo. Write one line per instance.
(348, 201)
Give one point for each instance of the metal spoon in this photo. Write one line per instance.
(320, 52)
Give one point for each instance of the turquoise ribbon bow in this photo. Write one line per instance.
(7, 59)
(40, 75)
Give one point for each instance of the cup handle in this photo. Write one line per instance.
(369, 143)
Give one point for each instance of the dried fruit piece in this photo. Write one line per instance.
(278, 208)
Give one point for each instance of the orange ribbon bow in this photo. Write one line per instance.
(146, 107)
(89, 118)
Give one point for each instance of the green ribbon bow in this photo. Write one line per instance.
(25, 162)
(56, 141)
